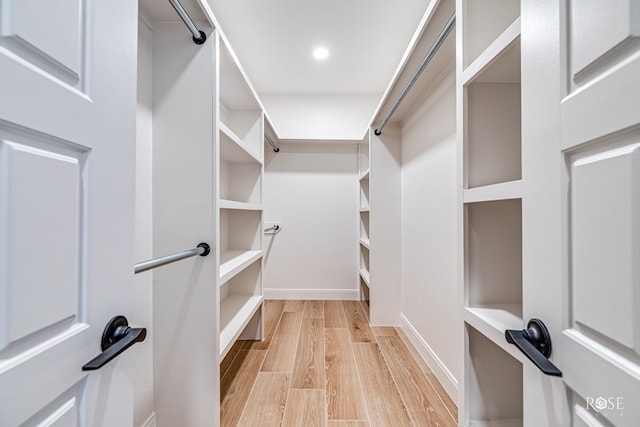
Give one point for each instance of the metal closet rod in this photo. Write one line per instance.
(275, 147)
(202, 249)
(198, 36)
(425, 61)
(272, 228)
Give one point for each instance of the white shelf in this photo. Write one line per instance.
(364, 209)
(237, 152)
(483, 22)
(232, 204)
(364, 242)
(491, 320)
(503, 191)
(235, 312)
(500, 62)
(364, 176)
(364, 274)
(234, 261)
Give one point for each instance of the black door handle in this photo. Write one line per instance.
(116, 338)
(535, 343)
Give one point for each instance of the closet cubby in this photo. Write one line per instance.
(493, 237)
(364, 264)
(240, 301)
(493, 144)
(493, 384)
(484, 21)
(364, 193)
(364, 228)
(240, 241)
(240, 113)
(240, 175)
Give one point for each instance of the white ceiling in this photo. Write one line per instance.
(274, 39)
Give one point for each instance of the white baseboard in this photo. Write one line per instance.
(151, 422)
(327, 294)
(438, 368)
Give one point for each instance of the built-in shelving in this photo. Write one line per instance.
(501, 191)
(240, 299)
(240, 175)
(494, 384)
(365, 242)
(364, 168)
(492, 191)
(234, 261)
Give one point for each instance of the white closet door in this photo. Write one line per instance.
(580, 215)
(67, 139)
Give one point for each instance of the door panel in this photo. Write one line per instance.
(49, 34)
(600, 131)
(605, 204)
(67, 150)
(600, 28)
(596, 372)
(42, 282)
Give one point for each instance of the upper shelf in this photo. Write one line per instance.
(500, 62)
(233, 149)
(484, 22)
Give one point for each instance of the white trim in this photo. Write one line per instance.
(312, 294)
(151, 422)
(439, 369)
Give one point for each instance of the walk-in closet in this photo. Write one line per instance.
(218, 213)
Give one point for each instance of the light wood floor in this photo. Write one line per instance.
(320, 364)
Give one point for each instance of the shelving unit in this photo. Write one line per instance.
(494, 384)
(240, 171)
(364, 169)
(491, 194)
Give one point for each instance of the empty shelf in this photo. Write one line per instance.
(233, 262)
(235, 312)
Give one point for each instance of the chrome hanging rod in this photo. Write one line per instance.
(275, 228)
(202, 249)
(425, 61)
(198, 36)
(275, 147)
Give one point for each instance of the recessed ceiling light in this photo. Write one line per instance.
(320, 53)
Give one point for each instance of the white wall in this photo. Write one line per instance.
(312, 190)
(320, 116)
(429, 233)
(143, 291)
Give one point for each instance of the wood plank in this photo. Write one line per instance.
(294, 305)
(384, 331)
(424, 405)
(305, 408)
(314, 309)
(421, 362)
(347, 424)
(334, 315)
(282, 350)
(236, 385)
(226, 362)
(357, 322)
(365, 309)
(446, 399)
(384, 404)
(344, 393)
(268, 399)
(272, 312)
(308, 367)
